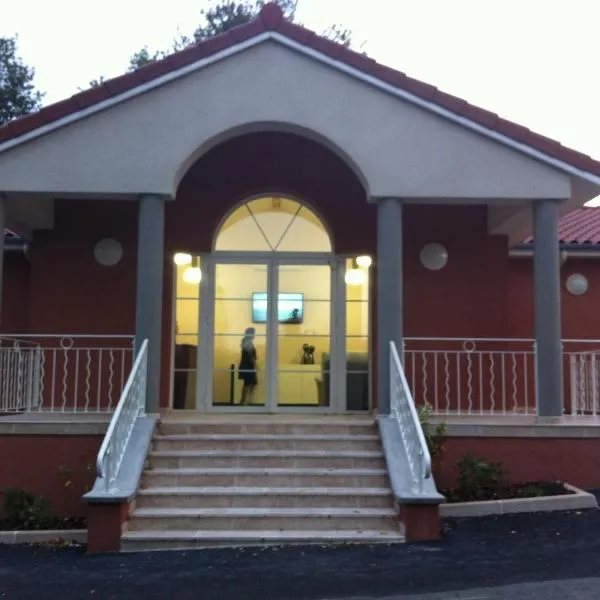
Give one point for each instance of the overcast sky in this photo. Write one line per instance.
(532, 61)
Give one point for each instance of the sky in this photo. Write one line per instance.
(532, 61)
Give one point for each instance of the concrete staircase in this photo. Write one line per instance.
(248, 480)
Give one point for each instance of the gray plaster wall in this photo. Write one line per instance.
(145, 144)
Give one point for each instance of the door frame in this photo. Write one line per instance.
(206, 339)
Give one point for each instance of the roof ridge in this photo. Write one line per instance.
(271, 19)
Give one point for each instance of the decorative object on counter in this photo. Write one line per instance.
(308, 356)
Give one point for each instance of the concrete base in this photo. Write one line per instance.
(78, 536)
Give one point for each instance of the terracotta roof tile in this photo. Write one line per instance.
(271, 19)
(582, 226)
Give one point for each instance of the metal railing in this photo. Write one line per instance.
(20, 364)
(63, 373)
(403, 410)
(478, 376)
(129, 408)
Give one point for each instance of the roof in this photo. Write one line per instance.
(270, 20)
(580, 227)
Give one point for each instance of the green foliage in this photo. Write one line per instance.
(27, 511)
(434, 434)
(479, 479)
(18, 95)
(223, 15)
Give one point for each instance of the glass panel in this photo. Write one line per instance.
(187, 312)
(240, 335)
(357, 339)
(304, 336)
(273, 224)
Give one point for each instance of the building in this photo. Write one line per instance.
(271, 179)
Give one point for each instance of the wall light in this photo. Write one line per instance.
(364, 261)
(182, 258)
(434, 256)
(193, 274)
(577, 284)
(355, 275)
(108, 252)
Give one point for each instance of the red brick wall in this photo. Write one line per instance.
(15, 294)
(33, 462)
(525, 459)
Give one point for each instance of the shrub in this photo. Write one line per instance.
(478, 478)
(434, 434)
(27, 511)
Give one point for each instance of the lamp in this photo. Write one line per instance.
(364, 261)
(577, 284)
(434, 256)
(182, 258)
(108, 252)
(355, 275)
(193, 274)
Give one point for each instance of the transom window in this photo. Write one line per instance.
(273, 224)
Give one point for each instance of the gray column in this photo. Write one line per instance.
(149, 305)
(389, 293)
(546, 265)
(2, 227)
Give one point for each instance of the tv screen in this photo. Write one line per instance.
(290, 308)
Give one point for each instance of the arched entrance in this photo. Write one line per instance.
(272, 311)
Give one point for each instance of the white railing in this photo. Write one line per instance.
(63, 373)
(478, 376)
(403, 410)
(584, 379)
(20, 368)
(129, 408)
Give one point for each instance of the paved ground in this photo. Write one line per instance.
(553, 555)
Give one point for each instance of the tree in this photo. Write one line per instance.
(224, 15)
(18, 95)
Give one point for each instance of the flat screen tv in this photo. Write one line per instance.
(290, 308)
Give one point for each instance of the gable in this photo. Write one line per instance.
(146, 142)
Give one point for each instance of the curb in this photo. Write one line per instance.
(35, 537)
(579, 500)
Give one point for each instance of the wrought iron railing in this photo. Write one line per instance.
(404, 411)
(63, 373)
(20, 375)
(129, 408)
(478, 376)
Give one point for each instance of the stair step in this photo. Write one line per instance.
(182, 540)
(310, 426)
(266, 458)
(265, 442)
(320, 498)
(147, 519)
(264, 477)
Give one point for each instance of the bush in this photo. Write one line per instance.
(26, 511)
(434, 435)
(478, 478)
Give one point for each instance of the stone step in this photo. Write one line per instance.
(261, 519)
(136, 541)
(220, 498)
(265, 477)
(289, 459)
(265, 442)
(300, 427)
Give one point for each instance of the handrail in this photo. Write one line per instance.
(404, 411)
(130, 407)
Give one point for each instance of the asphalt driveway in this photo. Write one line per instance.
(478, 556)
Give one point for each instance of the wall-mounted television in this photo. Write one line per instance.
(290, 308)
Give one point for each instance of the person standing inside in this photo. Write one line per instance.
(247, 367)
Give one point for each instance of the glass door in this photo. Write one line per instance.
(303, 346)
(240, 339)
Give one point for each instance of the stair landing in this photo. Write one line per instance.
(248, 480)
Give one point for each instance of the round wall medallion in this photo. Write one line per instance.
(434, 256)
(108, 252)
(577, 284)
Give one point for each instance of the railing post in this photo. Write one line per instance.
(2, 228)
